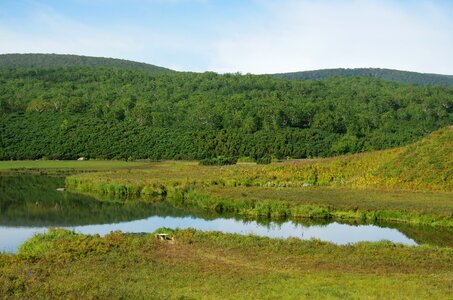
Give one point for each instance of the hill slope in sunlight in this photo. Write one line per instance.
(423, 165)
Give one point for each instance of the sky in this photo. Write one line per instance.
(248, 36)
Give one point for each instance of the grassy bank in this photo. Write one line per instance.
(61, 264)
(412, 184)
(338, 204)
(426, 208)
(67, 164)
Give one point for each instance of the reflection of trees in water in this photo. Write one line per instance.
(30, 200)
(439, 236)
(420, 234)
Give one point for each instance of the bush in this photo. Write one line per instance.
(219, 161)
(265, 160)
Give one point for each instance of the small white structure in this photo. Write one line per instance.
(162, 236)
(81, 158)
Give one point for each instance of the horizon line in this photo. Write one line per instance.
(234, 72)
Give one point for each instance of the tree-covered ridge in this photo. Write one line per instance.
(386, 74)
(39, 60)
(66, 60)
(104, 112)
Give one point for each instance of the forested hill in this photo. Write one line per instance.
(101, 112)
(66, 60)
(386, 74)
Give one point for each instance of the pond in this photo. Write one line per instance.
(31, 204)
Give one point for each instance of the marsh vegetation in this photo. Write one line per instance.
(399, 188)
(62, 264)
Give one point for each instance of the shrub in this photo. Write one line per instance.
(265, 160)
(219, 161)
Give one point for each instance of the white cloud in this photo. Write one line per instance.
(279, 36)
(53, 32)
(304, 35)
(48, 31)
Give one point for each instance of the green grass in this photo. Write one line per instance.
(399, 185)
(198, 265)
(434, 203)
(392, 185)
(433, 209)
(67, 164)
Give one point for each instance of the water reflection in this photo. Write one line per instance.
(31, 200)
(334, 232)
(30, 204)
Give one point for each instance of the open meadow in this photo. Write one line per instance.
(357, 189)
(201, 149)
(392, 185)
(198, 265)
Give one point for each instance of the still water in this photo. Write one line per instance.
(30, 204)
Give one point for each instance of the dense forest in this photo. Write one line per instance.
(386, 74)
(105, 112)
(67, 60)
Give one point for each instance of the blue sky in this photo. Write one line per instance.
(256, 36)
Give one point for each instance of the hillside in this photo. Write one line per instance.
(424, 165)
(99, 112)
(428, 162)
(66, 60)
(386, 74)
(40, 61)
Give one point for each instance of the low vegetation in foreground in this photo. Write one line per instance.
(411, 184)
(61, 264)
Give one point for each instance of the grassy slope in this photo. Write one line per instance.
(220, 266)
(424, 165)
